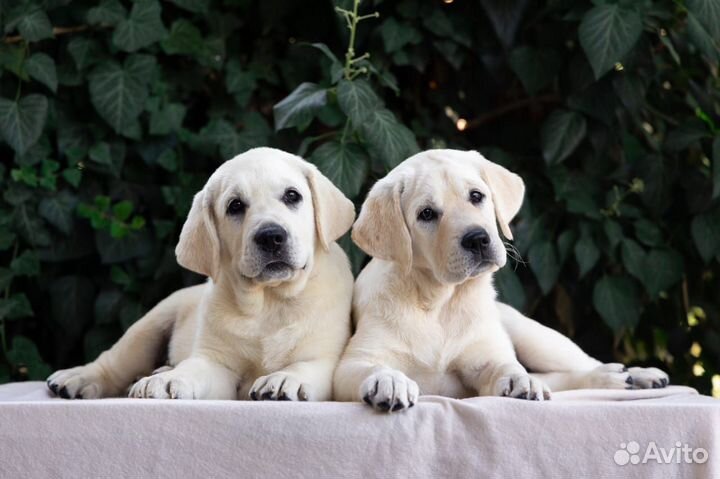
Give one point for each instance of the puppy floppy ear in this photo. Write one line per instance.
(334, 213)
(507, 189)
(199, 246)
(380, 229)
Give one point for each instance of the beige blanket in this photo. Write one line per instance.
(588, 433)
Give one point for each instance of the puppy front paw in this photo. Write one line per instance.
(648, 378)
(280, 386)
(164, 385)
(82, 382)
(389, 390)
(522, 386)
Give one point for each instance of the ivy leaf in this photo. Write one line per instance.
(109, 12)
(184, 39)
(357, 100)
(700, 36)
(26, 264)
(85, 52)
(142, 28)
(396, 35)
(42, 68)
(607, 33)
(390, 141)
(239, 82)
(510, 288)
(25, 353)
(346, 165)
(195, 6)
(544, 264)
(117, 94)
(535, 67)
(716, 169)
(15, 307)
(705, 229)
(663, 269)
(616, 298)
(561, 133)
(31, 22)
(22, 122)
(587, 254)
(59, 209)
(167, 119)
(708, 14)
(505, 16)
(298, 107)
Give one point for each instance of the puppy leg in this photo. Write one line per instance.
(540, 348)
(135, 354)
(194, 378)
(300, 381)
(381, 387)
(489, 366)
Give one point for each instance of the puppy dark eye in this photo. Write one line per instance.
(476, 197)
(236, 207)
(428, 214)
(291, 197)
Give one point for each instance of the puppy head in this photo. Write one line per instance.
(440, 210)
(261, 216)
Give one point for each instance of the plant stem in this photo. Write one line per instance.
(350, 54)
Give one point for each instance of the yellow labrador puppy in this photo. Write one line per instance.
(425, 307)
(272, 320)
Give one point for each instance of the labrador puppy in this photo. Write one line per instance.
(272, 319)
(425, 308)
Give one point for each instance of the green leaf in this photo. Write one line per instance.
(389, 141)
(510, 289)
(616, 298)
(26, 264)
(117, 94)
(72, 176)
(561, 134)
(648, 232)
(85, 52)
(298, 107)
(346, 165)
(12, 58)
(658, 270)
(31, 22)
(109, 12)
(184, 39)
(607, 33)
(25, 353)
(396, 35)
(6, 277)
(544, 264)
(357, 100)
(58, 210)
(705, 229)
(700, 36)
(716, 169)
(195, 6)
(586, 254)
(239, 82)
(535, 67)
(167, 119)
(708, 13)
(22, 122)
(168, 160)
(122, 210)
(42, 68)
(142, 28)
(16, 306)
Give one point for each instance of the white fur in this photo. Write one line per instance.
(427, 318)
(247, 330)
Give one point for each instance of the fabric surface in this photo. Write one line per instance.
(576, 434)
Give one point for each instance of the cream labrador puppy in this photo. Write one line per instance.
(273, 318)
(425, 308)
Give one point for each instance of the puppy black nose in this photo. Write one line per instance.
(476, 241)
(271, 238)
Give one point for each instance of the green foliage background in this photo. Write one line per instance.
(113, 114)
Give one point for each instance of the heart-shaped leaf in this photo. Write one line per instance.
(617, 300)
(22, 122)
(607, 32)
(346, 165)
(561, 133)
